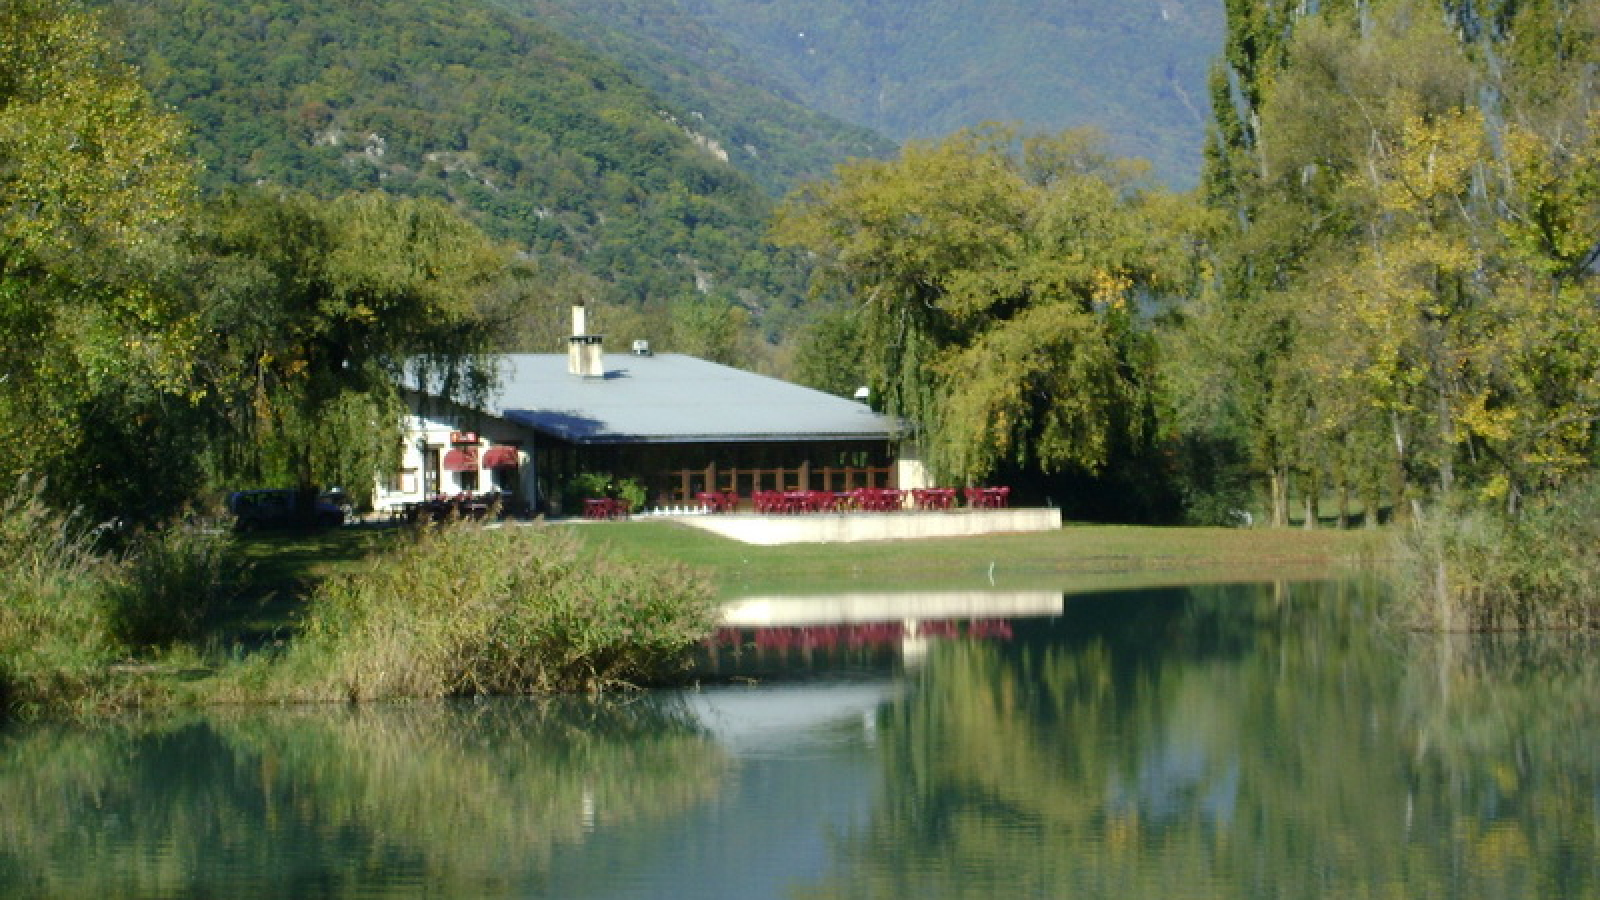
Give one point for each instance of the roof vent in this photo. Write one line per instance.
(641, 348)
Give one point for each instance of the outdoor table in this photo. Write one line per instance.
(718, 501)
(818, 501)
(878, 499)
(601, 508)
(988, 497)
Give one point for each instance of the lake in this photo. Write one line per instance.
(1273, 740)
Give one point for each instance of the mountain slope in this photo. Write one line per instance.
(923, 68)
(746, 111)
(537, 137)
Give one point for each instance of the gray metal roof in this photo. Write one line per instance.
(670, 398)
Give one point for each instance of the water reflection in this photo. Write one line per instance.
(771, 636)
(433, 799)
(1208, 742)
(1221, 743)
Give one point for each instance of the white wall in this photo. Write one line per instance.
(911, 472)
(431, 428)
(844, 528)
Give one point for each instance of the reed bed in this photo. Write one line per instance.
(1480, 570)
(464, 610)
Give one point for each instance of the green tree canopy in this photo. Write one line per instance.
(320, 310)
(93, 188)
(1408, 198)
(998, 280)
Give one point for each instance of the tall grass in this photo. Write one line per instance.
(53, 584)
(80, 624)
(172, 585)
(54, 581)
(457, 610)
(1472, 569)
(466, 610)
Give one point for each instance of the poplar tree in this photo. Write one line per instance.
(1406, 279)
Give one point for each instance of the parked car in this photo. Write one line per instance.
(276, 508)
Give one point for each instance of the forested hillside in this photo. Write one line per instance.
(609, 187)
(732, 98)
(924, 68)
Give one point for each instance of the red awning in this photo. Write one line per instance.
(502, 456)
(461, 459)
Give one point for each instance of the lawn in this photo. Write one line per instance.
(1077, 557)
(283, 565)
(1074, 559)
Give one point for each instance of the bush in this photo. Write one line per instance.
(598, 485)
(465, 610)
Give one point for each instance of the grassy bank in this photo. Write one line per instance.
(1470, 566)
(1078, 557)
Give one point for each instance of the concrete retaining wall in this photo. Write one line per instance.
(823, 528)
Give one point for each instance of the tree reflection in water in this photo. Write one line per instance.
(467, 799)
(1226, 742)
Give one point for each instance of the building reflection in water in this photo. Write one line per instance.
(769, 636)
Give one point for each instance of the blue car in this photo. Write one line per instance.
(276, 508)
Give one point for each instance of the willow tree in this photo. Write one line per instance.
(320, 310)
(997, 280)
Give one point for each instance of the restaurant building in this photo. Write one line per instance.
(678, 425)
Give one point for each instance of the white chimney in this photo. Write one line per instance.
(584, 350)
